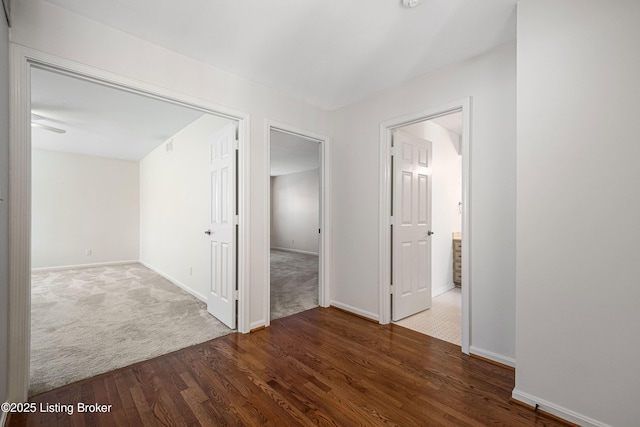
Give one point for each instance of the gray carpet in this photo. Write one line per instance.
(93, 320)
(294, 283)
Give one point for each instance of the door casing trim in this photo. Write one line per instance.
(384, 256)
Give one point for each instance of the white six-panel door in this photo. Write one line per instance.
(411, 245)
(221, 298)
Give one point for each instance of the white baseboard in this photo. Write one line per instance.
(295, 250)
(97, 264)
(363, 313)
(442, 289)
(557, 410)
(175, 282)
(504, 360)
(3, 418)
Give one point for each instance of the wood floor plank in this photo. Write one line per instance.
(123, 391)
(428, 398)
(350, 388)
(105, 392)
(321, 367)
(287, 377)
(376, 387)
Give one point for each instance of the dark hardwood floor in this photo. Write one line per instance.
(320, 367)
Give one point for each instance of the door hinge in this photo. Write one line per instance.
(391, 289)
(236, 220)
(236, 144)
(235, 295)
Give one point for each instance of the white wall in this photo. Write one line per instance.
(4, 188)
(48, 28)
(446, 176)
(578, 208)
(295, 210)
(490, 80)
(83, 202)
(175, 197)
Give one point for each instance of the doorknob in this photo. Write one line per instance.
(429, 233)
(208, 232)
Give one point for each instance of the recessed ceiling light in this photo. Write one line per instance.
(410, 3)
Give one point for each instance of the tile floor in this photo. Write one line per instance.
(442, 320)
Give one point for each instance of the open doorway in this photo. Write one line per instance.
(440, 315)
(121, 193)
(294, 223)
(388, 217)
(25, 62)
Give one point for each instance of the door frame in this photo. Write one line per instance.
(22, 59)
(325, 212)
(386, 129)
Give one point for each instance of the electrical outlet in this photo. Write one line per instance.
(87, 252)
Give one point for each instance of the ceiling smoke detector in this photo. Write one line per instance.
(410, 3)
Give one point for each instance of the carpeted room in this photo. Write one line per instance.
(115, 215)
(294, 282)
(87, 321)
(294, 223)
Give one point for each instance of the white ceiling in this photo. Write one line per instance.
(292, 154)
(99, 120)
(104, 121)
(451, 122)
(326, 52)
